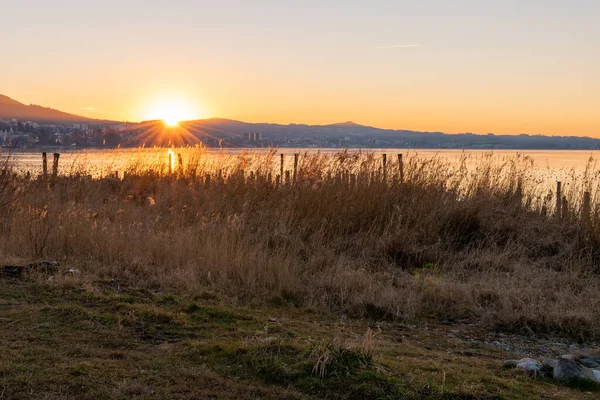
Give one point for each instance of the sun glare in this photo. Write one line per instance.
(171, 121)
(171, 111)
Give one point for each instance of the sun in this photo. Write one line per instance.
(171, 110)
(171, 121)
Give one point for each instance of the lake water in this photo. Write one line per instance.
(551, 165)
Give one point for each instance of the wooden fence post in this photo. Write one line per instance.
(170, 162)
(281, 167)
(55, 166)
(587, 207)
(565, 208)
(558, 200)
(401, 168)
(295, 167)
(180, 163)
(287, 177)
(385, 167)
(44, 166)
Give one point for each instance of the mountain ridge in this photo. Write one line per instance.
(338, 134)
(5, 100)
(10, 108)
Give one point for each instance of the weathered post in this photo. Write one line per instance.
(277, 180)
(170, 162)
(180, 163)
(287, 177)
(401, 168)
(295, 167)
(55, 166)
(558, 200)
(565, 208)
(281, 167)
(586, 210)
(385, 167)
(44, 166)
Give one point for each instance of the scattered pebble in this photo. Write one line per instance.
(565, 369)
(71, 271)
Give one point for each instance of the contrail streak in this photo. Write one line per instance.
(398, 46)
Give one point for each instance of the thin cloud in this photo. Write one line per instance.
(91, 109)
(398, 46)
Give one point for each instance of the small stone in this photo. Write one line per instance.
(571, 372)
(71, 271)
(528, 365)
(590, 361)
(271, 319)
(550, 363)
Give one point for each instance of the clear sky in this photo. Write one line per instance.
(472, 66)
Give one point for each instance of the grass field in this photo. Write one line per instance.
(176, 266)
(110, 341)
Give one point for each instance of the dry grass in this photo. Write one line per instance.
(107, 341)
(452, 241)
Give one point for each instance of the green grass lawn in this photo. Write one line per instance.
(107, 341)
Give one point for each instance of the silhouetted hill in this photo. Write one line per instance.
(347, 124)
(5, 100)
(350, 134)
(10, 108)
(227, 132)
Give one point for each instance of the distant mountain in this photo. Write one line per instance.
(5, 100)
(347, 124)
(10, 108)
(231, 133)
(352, 135)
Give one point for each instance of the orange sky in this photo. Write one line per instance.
(470, 67)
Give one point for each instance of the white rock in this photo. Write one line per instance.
(529, 365)
(596, 374)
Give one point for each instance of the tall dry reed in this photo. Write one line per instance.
(474, 239)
